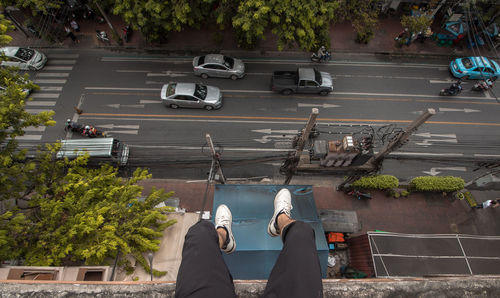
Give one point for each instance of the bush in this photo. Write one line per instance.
(405, 193)
(381, 182)
(437, 184)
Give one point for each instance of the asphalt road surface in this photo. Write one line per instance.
(120, 94)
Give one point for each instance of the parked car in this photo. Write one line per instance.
(476, 68)
(191, 95)
(24, 58)
(216, 65)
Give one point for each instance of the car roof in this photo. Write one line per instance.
(214, 58)
(185, 88)
(306, 74)
(98, 147)
(9, 51)
(481, 61)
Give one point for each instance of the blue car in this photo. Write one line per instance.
(476, 68)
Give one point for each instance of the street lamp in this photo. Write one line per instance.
(150, 258)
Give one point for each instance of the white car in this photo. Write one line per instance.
(191, 95)
(24, 58)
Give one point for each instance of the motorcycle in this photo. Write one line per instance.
(74, 126)
(357, 194)
(482, 85)
(127, 32)
(454, 89)
(93, 133)
(102, 36)
(316, 58)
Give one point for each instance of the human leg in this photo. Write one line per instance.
(202, 272)
(297, 272)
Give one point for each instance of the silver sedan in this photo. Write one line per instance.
(191, 95)
(216, 65)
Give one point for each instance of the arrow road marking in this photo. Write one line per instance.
(117, 106)
(325, 105)
(428, 142)
(267, 139)
(430, 135)
(145, 101)
(269, 131)
(111, 126)
(434, 171)
(458, 110)
(129, 132)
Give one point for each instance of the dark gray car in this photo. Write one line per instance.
(191, 95)
(220, 66)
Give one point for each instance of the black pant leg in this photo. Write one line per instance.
(203, 272)
(297, 272)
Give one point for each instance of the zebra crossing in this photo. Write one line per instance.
(51, 80)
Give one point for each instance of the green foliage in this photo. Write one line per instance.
(35, 5)
(416, 24)
(437, 183)
(362, 14)
(405, 193)
(380, 182)
(12, 232)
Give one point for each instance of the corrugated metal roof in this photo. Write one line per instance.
(98, 147)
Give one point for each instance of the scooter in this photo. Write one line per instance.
(359, 195)
(93, 133)
(316, 58)
(455, 89)
(102, 36)
(73, 126)
(127, 32)
(482, 85)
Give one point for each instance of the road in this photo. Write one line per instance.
(119, 93)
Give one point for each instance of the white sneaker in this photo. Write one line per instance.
(282, 204)
(224, 219)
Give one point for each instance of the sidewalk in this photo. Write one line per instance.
(193, 41)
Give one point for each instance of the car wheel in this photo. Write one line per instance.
(204, 76)
(234, 77)
(208, 108)
(323, 92)
(174, 106)
(286, 92)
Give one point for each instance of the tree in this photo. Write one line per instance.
(362, 14)
(155, 18)
(292, 21)
(416, 24)
(35, 5)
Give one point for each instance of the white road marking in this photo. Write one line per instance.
(64, 56)
(325, 105)
(400, 95)
(37, 111)
(29, 137)
(434, 171)
(128, 132)
(53, 74)
(270, 131)
(430, 135)
(45, 95)
(117, 106)
(169, 73)
(146, 101)
(49, 81)
(41, 103)
(426, 154)
(131, 70)
(198, 148)
(449, 81)
(268, 138)
(111, 126)
(33, 128)
(58, 68)
(123, 88)
(51, 88)
(65, 62)
(458, 110)
(428, 142)
(487, 155)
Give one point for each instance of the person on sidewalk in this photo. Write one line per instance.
(488, 203)
(296, 273)
(70, 34)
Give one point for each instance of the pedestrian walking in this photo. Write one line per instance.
(296, 273)
(71, 34)
(488, 204)
(75, 26)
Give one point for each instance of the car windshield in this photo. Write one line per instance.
(200, 91)
(25, 54)
(201, 60)
(491, 64)
(317, 77)
(228, 62)
(171, 89)
(467, 62)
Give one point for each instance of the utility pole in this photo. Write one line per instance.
(300, 145)
(373, 163)
(215, 160)
(105, 16)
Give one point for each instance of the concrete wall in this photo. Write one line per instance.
(429, 287)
